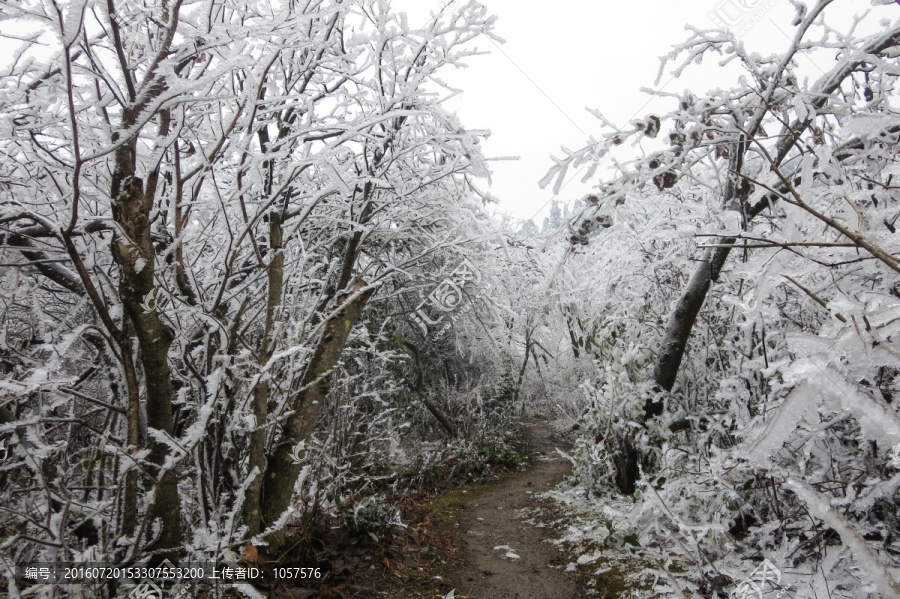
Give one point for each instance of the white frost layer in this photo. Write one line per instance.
(820, 507)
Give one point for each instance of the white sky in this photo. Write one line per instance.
(562, 56)
(580, 54)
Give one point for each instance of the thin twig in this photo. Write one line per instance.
(815, 297)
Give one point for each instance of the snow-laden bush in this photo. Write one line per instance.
(754, 434)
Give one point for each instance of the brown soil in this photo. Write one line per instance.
(450, 538)
(503, 514)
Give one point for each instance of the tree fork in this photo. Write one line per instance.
(282, 470)
(133, 252)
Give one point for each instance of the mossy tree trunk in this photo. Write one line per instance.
(282, 469)
(134, 254)
(257, 452)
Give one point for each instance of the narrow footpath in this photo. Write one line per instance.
(506, 554)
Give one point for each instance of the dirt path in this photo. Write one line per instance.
(497, 515)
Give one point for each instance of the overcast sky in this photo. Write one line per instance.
(564, 55)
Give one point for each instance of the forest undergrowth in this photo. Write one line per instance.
(255, 301)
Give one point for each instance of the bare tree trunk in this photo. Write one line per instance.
(282, 470)
(442, 418)
(681, 322)
(683, 318)
(135, 256)
(130, 507)
(257, 453)
(181, 278)
(572, 338)
(528, 333)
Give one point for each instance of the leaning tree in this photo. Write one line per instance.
(794, 287)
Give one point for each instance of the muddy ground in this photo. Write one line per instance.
(482, 541)
(504, 554)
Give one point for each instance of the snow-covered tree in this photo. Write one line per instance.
(199, 202)
(763, 354)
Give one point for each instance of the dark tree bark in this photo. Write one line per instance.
(134, 254)
(282, 470)
(54, 271)
(419, 389)
(257, 453)
(681, 322)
